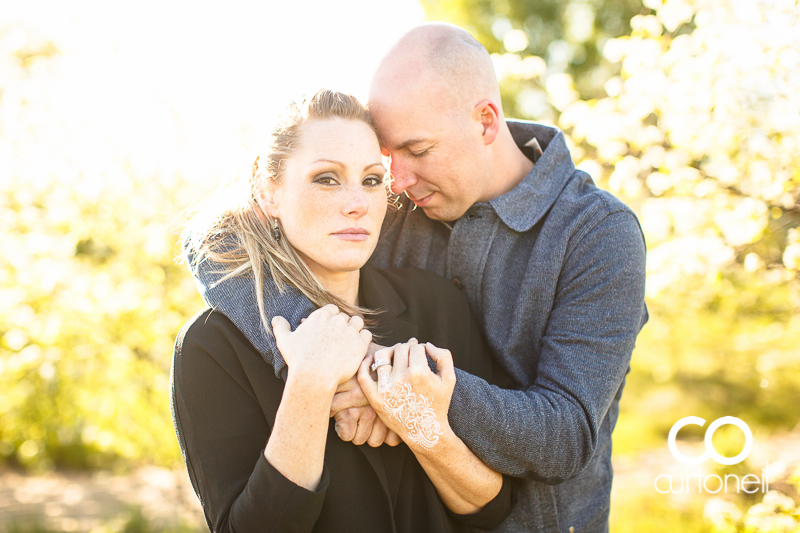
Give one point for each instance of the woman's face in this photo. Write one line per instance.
(331, 200)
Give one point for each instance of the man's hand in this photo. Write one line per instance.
(356, 420)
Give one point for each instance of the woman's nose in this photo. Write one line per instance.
(357, 204)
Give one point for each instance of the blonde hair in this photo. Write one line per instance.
(239, 236)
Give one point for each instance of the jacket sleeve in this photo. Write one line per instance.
(236, 299)
(549, 431)
(223, 432)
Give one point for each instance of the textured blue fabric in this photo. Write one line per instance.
(554, 271)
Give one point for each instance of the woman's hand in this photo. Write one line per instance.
(327, 347)
(410, 399)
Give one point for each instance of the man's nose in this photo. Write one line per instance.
(402, 176)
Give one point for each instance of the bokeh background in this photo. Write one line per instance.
(117, 116)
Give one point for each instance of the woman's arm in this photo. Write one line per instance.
(296, 447)
(222, 428)
(413, 402)
(221, 425)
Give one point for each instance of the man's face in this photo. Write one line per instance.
(434, 151)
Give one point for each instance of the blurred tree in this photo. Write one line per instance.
(531, 37)
(91, 297)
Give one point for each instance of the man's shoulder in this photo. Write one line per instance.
(584, 202)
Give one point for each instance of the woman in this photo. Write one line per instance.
(263, 454)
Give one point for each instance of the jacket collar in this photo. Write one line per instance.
(375, 292)
(526, 204)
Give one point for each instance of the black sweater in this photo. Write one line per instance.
(225, 397)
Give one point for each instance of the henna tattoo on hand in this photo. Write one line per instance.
(413, 411)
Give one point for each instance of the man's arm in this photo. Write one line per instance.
(550, 430)
(236, 298)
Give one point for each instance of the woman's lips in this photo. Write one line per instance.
(352, 234)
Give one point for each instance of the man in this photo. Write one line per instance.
(552, 267)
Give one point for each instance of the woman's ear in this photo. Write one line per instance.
(488, 115)
(267, 197)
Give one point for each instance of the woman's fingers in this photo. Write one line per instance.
(357, 322)
(368, 386)
(401, 355)
(444, 362)
(417, 361)
(281, 329)
(383, 367)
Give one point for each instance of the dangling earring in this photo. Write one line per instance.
(276, 231)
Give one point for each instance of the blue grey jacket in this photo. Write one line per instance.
(554, 271)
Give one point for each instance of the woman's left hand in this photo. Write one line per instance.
(411, 399)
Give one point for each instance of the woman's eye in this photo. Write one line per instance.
(373, 181)
(325, 180)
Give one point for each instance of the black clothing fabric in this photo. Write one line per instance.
(224, 398)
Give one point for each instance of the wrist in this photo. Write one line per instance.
(311, 384)
(447, 444)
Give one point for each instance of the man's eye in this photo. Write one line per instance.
(419, 154)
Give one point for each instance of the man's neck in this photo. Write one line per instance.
(510, 166)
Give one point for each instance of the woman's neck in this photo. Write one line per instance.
(342, 284)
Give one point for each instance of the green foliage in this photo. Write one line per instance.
(91, 296)
(568, 35)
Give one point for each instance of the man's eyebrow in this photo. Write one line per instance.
(408, 143)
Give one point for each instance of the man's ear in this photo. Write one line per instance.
(488, 114)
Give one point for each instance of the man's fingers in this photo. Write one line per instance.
(347, 399)
(346, 424)
(392, 438)
(379, 433)
(366, 417)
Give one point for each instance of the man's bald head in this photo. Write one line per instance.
(451, 64)
(435, 102)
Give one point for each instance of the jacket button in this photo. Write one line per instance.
(457, 282)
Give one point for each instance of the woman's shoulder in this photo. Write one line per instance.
(205, 327)
(211, 335)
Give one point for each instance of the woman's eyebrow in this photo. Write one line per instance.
(337, 163)
(373, 165)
